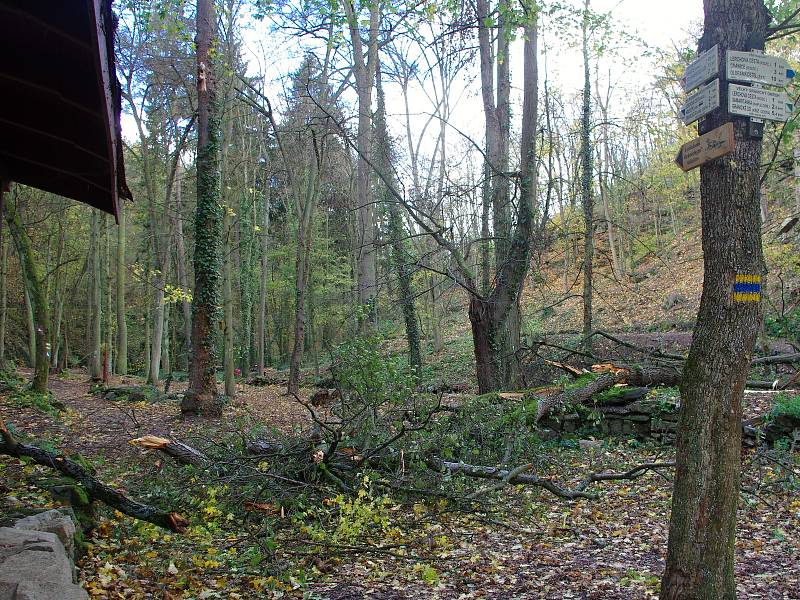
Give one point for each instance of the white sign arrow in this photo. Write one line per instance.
(702, 102)
(759, 103)
(757, 68)
(704, 68)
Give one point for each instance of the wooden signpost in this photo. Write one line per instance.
(717, 142)
(755, 69)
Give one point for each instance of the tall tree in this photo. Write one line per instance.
(95, 302)
(401, 260)
(122, 321)
(34, 287)
(587, 198)
(201, 395)
(700, 557)
(365, 58)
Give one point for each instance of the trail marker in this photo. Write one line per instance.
(704, 68)
(753, 67)
(759, 103)
(717, 142)
(702, 102)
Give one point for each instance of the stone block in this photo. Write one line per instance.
(52, 521)
(35, 566)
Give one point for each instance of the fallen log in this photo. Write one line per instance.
(95, 489)
(610, 376)
(518, 476)
(777, 359)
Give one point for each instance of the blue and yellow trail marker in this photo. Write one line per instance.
(747, 288)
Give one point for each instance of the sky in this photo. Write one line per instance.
(662, 23)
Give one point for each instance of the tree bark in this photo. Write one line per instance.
(587, 155)
(180, 267)
(3, 289)
(364, 71)
(489, 314)
(227, 303)
(700, 556)
(201, 395)
(399, 256)
(96, 309)
(122, 321)
(38, 299)
(262, 308)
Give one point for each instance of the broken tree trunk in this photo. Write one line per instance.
(611, 375)
(96, 490)
(184, 454)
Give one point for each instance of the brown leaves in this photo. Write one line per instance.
(266, 508)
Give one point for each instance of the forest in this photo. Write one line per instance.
(419, 299)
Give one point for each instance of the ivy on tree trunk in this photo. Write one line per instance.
(201, 395)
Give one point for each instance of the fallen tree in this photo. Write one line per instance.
(518, 476)
(94, 488)
(608, 376)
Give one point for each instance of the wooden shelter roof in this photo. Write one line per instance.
(60, 100)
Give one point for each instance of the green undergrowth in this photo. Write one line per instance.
(786, 405)
(20, 394)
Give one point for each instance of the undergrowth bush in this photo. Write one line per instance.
(786, 406)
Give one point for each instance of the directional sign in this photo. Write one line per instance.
(702, 102)
(704, 68)
(759, 103)
(757, 68)
(717, 142)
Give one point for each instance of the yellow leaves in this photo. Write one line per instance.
(205, 563)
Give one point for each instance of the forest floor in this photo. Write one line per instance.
(524, 543)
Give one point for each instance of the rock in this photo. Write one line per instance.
(11, 502)
(52, 521)
(674, 300)
(590, 444)
(546, 434)
(35, 566)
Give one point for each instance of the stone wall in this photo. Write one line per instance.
(36, 559)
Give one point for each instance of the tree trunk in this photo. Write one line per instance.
(302, 264)
(586, 188)
(38, 299)
(122, 322)
(109, 340)
(364, 71)
(201, 395)
(700, 557)
(166, 366)
(95, 316)
(30, 319)
(262, 308)
(3, 290)
(399, 256)
(159, 281)
(489, 314)
(227, 303)
(180, 267)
